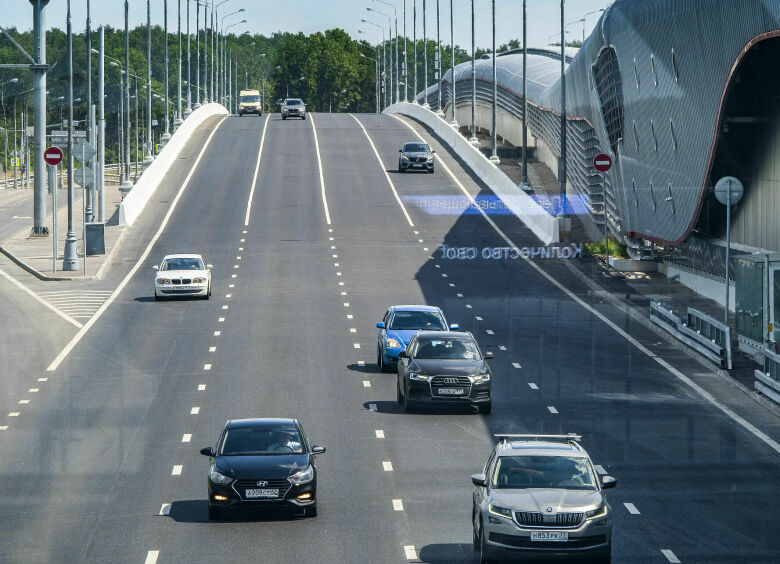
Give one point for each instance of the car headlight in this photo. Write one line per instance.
(417, 376)
(163, 280)
(304, 476)
(393, 344)
(476, 378)
(198, 280)
(430, 159)
(218, 477)
(404, 158)
(500, 511)
(598, 512)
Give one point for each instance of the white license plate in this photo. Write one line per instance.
(261, 493)
(418, 165)
(550, 536)
(451, 391)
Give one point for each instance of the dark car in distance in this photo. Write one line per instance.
(444, 368)
(415, 156)
(262, 463)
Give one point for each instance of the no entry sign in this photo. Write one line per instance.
(52, 156)
(602, 162)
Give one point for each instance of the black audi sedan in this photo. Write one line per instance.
(444, 368)
(262, 463)
(415, 156)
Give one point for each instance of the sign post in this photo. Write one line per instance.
(53, 157)
(602, 163)
(728, 191)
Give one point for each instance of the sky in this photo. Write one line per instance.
(308, 16)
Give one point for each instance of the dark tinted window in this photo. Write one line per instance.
(416, 320)
(252, 98)
(279, 439)
(416, 148)
(567, 472)
(294, 102)
(182, 264)
(432, 348)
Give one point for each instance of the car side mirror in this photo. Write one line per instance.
(380, 325)
(403, 354)
(209, 266)
(316, 449)
(489, 355)
(454, 326)
(608, 482)
(207, 451)
(479, 480)
(155, 267)
(433, 152)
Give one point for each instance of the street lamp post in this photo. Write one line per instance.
(125, 185)
(438, 64)
(148, 158)
(179, 120)
(425, 61)
(473, 139)
(188, 111)
(167, 134)
(71, 260)
(454, 122)
(525, 97)
(390, 39)
(101, 148)
(562, 165)
(395, 59)
(376, 70)
(384, 56)
(494, 156)
(406, 61)
(414, 48)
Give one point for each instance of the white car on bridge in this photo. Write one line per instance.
(182, 275)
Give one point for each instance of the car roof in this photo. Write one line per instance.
(540, 448)
(415, 308)
(446, 334)
(257, 421)
(182, 256)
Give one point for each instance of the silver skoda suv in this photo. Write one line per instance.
(539, 496)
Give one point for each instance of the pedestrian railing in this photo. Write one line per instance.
(768, 381)
(706, 335)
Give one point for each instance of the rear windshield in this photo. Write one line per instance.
(250, 98)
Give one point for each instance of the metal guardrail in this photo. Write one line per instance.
(768, 381)
(706, 335)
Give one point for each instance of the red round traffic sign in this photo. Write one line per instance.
(602, 162)
(52, 156)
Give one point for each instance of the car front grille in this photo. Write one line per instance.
(536, 519)
(525, 542)
(438, 382)
(419, 159)
(283, 485)
(181, 281)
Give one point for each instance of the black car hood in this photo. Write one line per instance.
(434, 367)
(267, 466)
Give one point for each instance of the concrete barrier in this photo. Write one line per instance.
(534, 216)
(133, 204)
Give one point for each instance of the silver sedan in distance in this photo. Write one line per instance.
(182, 275)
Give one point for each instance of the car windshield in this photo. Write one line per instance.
(432, 348)
(417, 320)
(416, 148)
(261, 440)
(182, 264)
(294, 102)
(566, 472)
(250, 98)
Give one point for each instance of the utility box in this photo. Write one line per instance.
(96, 239)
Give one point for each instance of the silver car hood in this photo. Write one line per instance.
(538, 499)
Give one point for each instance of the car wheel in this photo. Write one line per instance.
(484, 409)
(400, 168)
(430, 171)
(380, 362)
(156, 297)
(407, 404)
(240, 114)
(474, 535)
(398, 397)
(485, 554)
(303, 118)
(214, 513)
(284, 117)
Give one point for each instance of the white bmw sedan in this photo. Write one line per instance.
(182, 275)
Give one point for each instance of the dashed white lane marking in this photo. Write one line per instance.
(387, 466)
(13, 414)
(366, 383)
(341, 283)
(443, 275)
(343, 293)
(352, 330)
(32, 390)
(425, 249)
(489, 331)
(3, 427)
(356, 345)
(332, 247)
(176, 470)
(234, 275)
(752, 429)
(459, 295)
(24, 401)
(330, 238)
(416, 232)
(387, 176)
(600, 469)
(238, 257)
(361, 362)
(201, 387)
(533, 386)
(452, 285)
(206, 367)
(380, 434)
(221, 320)
(217, 333)
(241, 248)
(224, 307)
(43, 379)
(330, 230)
(254, 178)
(35, 296)
(186, 437)
(228, 295)
(437, 265)
(336, 264)
(151, 557)
(319, 165)
(410, 552)
(194, 410)
(235, 266)
(501, 347)
(670, 556)
(398, 505)
(372, 407)
(338, 274)
(350, 316)
(346, 304)
(231, 285)
(335, 256)
(420, 241)
(552, 409)
(468, 306)
(478, 318)
(165, 509)
(212, 349)
(516, 365)
(632, 508)
(243, 240)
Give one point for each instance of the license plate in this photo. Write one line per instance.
(417, 165)
(550, 536)
(451, 391)
(261, 493)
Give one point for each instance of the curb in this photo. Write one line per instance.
(24, 266)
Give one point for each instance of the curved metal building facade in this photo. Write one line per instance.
(652, 85)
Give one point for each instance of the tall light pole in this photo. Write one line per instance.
(414, 48)
(390, 38)
(494, 155)
(126, 185)
(197, 54)
(454, 122)
(223, 47)
(148, 157)
(188, 111)
(71, 260)
(384, 56)
(395, 59)
(406, 61)
(425, 61)
(376, 69)
(525, 96)
(438, 60)
(39, 118)
(225, 88)
(166, 136)
(101, 148)
(473, 139)
(179, 120)
(562, 165)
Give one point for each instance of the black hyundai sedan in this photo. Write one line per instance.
(444, 368)
(262, 463)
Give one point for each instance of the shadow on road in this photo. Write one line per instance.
(196, 511)
(445, 553)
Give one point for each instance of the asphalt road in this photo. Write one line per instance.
(102, 464)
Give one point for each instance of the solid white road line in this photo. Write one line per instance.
(176, 470)
(387, 466)
(380, 434)
(319, 165)
(88, 325)
(39, 299)
(670, 556)
(387, 176)
(410, 552)
(398, 505)
(752, 429)
(165, 509)
(257, 170)
(552, 409)
(151, 557)
(632, 508)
